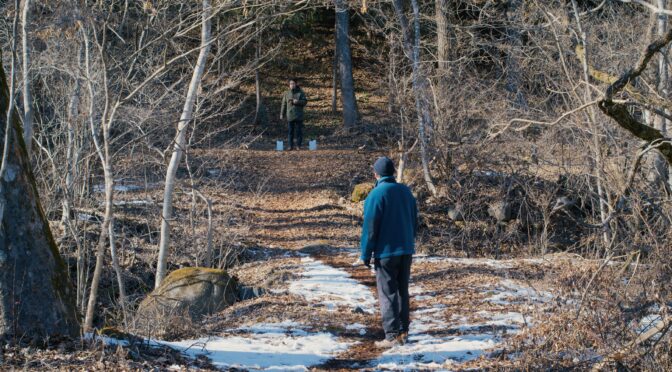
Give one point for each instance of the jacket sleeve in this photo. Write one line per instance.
(373, 210)
(415, 221)
(283, 106)
(302, 100)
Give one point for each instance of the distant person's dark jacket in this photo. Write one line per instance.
(293, 111)
(390, 221)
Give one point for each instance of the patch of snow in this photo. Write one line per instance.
(647, 323)
(270, 349)
(215, 172)
(438, 343)
(509, 291)
(107, 341)
(87, 217)
(512, 321)
(422, 298)
(126, 185)
(496, 264)
(350, 327)
(433, 352)
(285, 327)
(357, 326)
(492, 263)
(132, 202)
(331, 287)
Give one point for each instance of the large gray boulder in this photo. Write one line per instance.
(189, 293)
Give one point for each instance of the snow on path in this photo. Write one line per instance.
(440, 340)
(282, 346)
(287, 346)
(432, 343)
(331, 287)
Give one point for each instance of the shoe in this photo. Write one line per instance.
(403, 338)
(387, 343)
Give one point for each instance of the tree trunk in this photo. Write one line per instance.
(348, 99)
(27, 98)
(36, 296)
(334, 83)
(443, 46)
(515, 44)
(597, 151)
(660, 166)
(420, 88)
(104, 153)
(120, 278)
(70, 164)
(257, 79)
(180, 144)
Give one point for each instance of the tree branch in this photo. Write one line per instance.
(619, 112)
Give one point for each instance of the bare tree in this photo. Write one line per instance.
(443, 45)
(37, 299)
(513, 78)
(348, 99)
(180, 143)
(660, 166)
(334, 81)
(27, 95)
(420, 83)
(597, 149)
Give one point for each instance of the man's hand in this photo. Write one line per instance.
(294, 101)
(282, 116)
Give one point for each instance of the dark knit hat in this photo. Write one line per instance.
(384, 166)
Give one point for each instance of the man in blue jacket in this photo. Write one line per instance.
(388, 234)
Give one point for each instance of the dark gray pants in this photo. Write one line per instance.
(295, 126)
(392, 277)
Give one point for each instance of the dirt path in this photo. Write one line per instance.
(321, 312)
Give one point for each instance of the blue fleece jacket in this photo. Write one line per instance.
(390, 221)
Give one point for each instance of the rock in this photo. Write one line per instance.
(455, 212)
(361, 191)
(192, 292)
(358, 310)
(501, 211)
(248, 293)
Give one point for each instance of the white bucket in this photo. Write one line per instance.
(279, 145)
(312, 145)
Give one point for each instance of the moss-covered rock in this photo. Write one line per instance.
(361, 191)
(190, 292)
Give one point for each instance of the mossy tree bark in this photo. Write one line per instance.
(619, 111)
(36, 297)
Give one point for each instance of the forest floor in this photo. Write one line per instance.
(321, 311)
